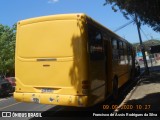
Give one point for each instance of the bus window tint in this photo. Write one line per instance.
(95, 44)
(115, 49)
(129, 55)
(114, 44)
(120, 45)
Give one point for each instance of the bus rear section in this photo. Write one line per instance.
(51, 65)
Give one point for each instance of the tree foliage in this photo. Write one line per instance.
(146, 10)
(7, 49)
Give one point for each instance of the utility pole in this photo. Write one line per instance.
(141, 45)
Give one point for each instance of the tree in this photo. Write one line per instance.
(7, 49)
(146, 10)
(147, 45)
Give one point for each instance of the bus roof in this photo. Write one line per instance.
(50, 18)
(65, 17)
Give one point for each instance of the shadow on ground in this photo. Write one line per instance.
(6, 96)
(153, 78)
(150, 102)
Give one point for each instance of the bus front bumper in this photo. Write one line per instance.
(55, 99)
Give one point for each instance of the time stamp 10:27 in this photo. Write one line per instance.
(127, 107)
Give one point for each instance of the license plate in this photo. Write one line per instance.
(46, 90)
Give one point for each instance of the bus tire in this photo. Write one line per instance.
(115, 88)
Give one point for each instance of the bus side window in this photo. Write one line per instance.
(120, 45)
(129, 53)
(121, 51)
(95, 44)
(125, 53)
(115, 49)
(114, 44)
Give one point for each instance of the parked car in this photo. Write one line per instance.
(5, 87)
(12, 81)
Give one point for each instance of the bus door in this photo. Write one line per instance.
(108, 63)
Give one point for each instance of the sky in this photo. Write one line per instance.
(12, 11)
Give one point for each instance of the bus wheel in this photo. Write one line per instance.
(115, 88)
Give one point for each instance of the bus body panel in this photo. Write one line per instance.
(67, 60)
(50, 58)
(54, 99)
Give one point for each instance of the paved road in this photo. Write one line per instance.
(9, 104)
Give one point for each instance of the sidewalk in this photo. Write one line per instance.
(145, 96)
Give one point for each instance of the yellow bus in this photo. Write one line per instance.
(69, 60)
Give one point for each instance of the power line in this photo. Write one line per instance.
(144, 34)
(124, 25)
(140, 28)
